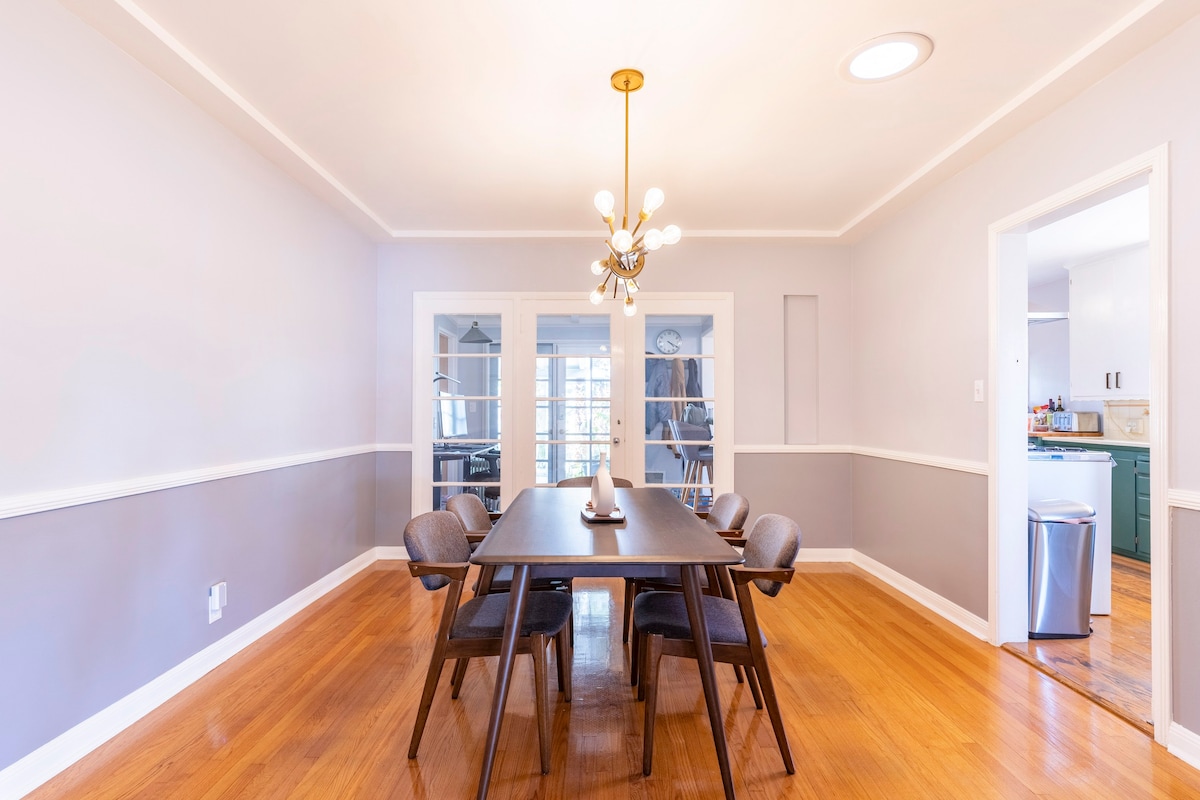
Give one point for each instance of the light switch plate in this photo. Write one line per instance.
(216, 601)
(978, 391)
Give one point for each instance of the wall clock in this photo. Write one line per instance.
(669, 342)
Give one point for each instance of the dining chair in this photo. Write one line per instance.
(473, 515)
(586, 480)
(477, 522)
(727, 517)
(661, 619)
(439, 552)
(697, 458)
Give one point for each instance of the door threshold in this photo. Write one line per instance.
(1143, 725)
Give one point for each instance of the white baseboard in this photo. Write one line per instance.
(816, 555)
(972, 624)
(391, 553)
(1184, 744)
(61, 752)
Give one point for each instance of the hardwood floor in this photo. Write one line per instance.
(881, 700)
(1112, 666)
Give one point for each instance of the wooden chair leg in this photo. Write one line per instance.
(755, 691)
(563, 657)
(431, 681)
(537, 646)
(768, 689)
(654, 645)
(456, 678)
(644, 665)
(635, 664)
(631, 589)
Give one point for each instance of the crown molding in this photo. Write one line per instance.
(129, 26)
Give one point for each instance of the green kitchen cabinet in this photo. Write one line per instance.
(1141, 479)
(1130, 499)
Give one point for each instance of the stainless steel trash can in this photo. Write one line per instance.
(1062, 538)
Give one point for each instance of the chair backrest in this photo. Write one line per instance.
(586, 480)
(728, 512)
(772, 543)
(438, 537)
(470, 511)
(683, 431)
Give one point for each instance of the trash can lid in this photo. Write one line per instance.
(1056, 510)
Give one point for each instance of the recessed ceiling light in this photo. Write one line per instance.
(886, 57)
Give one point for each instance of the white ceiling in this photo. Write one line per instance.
(467, 118)
(1107, 227)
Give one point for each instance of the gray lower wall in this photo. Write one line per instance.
(812, 488)
(1185, 610)
(394, 498)
(927, 523)
(102, 598)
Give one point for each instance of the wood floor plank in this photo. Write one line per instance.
(880, 699)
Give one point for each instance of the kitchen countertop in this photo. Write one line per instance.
(1064, 434)
(1092, 439)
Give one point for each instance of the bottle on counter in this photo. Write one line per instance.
(1059, 407)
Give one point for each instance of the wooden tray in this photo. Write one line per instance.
(617, 515)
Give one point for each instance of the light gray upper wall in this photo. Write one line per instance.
(171, 300)
(760, 273)
(920, 279)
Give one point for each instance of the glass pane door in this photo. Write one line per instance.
(573, 396)
(681, 408)
(465, 408)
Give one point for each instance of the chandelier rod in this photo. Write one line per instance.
(625, 212)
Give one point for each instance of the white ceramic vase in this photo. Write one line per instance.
(604, 496)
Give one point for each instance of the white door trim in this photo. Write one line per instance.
(1008, 609)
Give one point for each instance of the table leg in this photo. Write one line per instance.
(708, 674)
(508, 651)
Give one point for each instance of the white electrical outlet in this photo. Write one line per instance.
(978, 391)
(217, 598)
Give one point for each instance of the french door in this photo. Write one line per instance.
(515, 391)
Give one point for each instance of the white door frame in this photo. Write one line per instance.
(1008, 558)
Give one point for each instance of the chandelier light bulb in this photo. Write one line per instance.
(630, 307)
(597, 295)
(654, 200)
(631, 286)
(622, 240)
(604, 203)
(653, 239)
(671, 234)
(598, 267)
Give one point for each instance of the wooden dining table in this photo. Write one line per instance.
(544, 533)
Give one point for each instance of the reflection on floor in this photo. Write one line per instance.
(1112, 666)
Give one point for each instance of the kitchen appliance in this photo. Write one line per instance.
(1085, 476)
(1076, 421)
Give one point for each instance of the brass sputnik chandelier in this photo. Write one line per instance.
(626, 250)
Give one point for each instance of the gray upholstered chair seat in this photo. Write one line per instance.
(483, 617)
(665, 614)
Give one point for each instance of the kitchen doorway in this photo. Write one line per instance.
(1009, 273)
